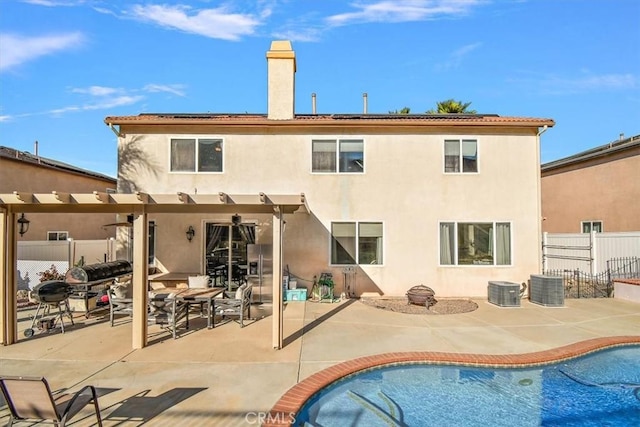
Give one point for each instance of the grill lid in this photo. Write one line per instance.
(51, 291)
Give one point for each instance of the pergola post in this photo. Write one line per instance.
(8, 288)
(139, 279)
(278, 306)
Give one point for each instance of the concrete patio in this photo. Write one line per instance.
(228, 376)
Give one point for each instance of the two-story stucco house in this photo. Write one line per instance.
(448, 201)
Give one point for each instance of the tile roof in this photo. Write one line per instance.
(25, 157)
(332, 119)
(601, 151)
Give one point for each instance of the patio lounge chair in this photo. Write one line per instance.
(167, 311)
(235, 304)
(30, 399)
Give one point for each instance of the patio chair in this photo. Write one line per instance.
(30, 399)
(235, 304)
(120, 301)
(165, 310)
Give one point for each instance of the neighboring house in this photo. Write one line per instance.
(448, 201)
(597, 190)
(29, 173)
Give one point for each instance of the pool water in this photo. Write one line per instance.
(599, 389)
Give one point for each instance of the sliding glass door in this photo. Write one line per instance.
(226, 252)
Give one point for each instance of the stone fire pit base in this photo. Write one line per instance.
(443, 306)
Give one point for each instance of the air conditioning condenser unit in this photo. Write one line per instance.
(546, 290)
(504, 294)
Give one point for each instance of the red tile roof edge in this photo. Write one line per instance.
(284, 411)
(335, 119)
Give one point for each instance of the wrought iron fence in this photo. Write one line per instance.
(581, 284)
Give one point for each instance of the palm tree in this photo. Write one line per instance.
(452, 106)
(405, 110)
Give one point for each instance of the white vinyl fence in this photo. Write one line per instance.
(37, 256)
(588, 252)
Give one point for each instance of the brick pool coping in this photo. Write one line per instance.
(283, 412)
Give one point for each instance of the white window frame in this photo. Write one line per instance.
(460, 140)
(337, 141)
(58, 235)
(456, 263)
(196, 139)
(591, 223)
(357, 242)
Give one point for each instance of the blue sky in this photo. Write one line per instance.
(67, 64)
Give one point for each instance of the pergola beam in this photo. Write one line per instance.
(141, 204)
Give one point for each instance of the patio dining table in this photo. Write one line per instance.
(195, 296)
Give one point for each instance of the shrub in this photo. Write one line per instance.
(51, 274)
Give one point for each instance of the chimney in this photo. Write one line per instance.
(313, 103)
(281, 69)
(365, 99)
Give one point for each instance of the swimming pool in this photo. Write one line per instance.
(602, 388)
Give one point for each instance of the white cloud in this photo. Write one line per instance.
(218, 23)
(103, 104)
(55, 3)
(456, 57)
(305, 34)
(96, 90)
(103, 98)
(174, 89)
(17, 50)
(587, 82)
(403, 11)
(605, 81)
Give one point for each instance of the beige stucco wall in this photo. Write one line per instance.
(403, 186)
(606, 189)
(31, 178)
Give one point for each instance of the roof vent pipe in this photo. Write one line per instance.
(365, 101)
(621, 136)
(35, 148)
(313, 103)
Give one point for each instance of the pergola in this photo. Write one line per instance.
(141, 205)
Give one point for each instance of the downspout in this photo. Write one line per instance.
(539, 195)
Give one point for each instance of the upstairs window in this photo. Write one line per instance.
(460, 156)
(337, 156)
(595, 226)
(57, 235)
(196, 155)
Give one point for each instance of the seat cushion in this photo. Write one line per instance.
(239, 291)
(122, 290)
(198, 282)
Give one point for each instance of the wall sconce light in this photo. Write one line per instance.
(236, 219)
(190, 233)
(23, 225)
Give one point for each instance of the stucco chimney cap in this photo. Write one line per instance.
(281, 49)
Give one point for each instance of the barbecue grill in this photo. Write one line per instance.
(48, 295)
(89, 281)
(52, 291)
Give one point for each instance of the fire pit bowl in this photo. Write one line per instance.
(421, 295)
